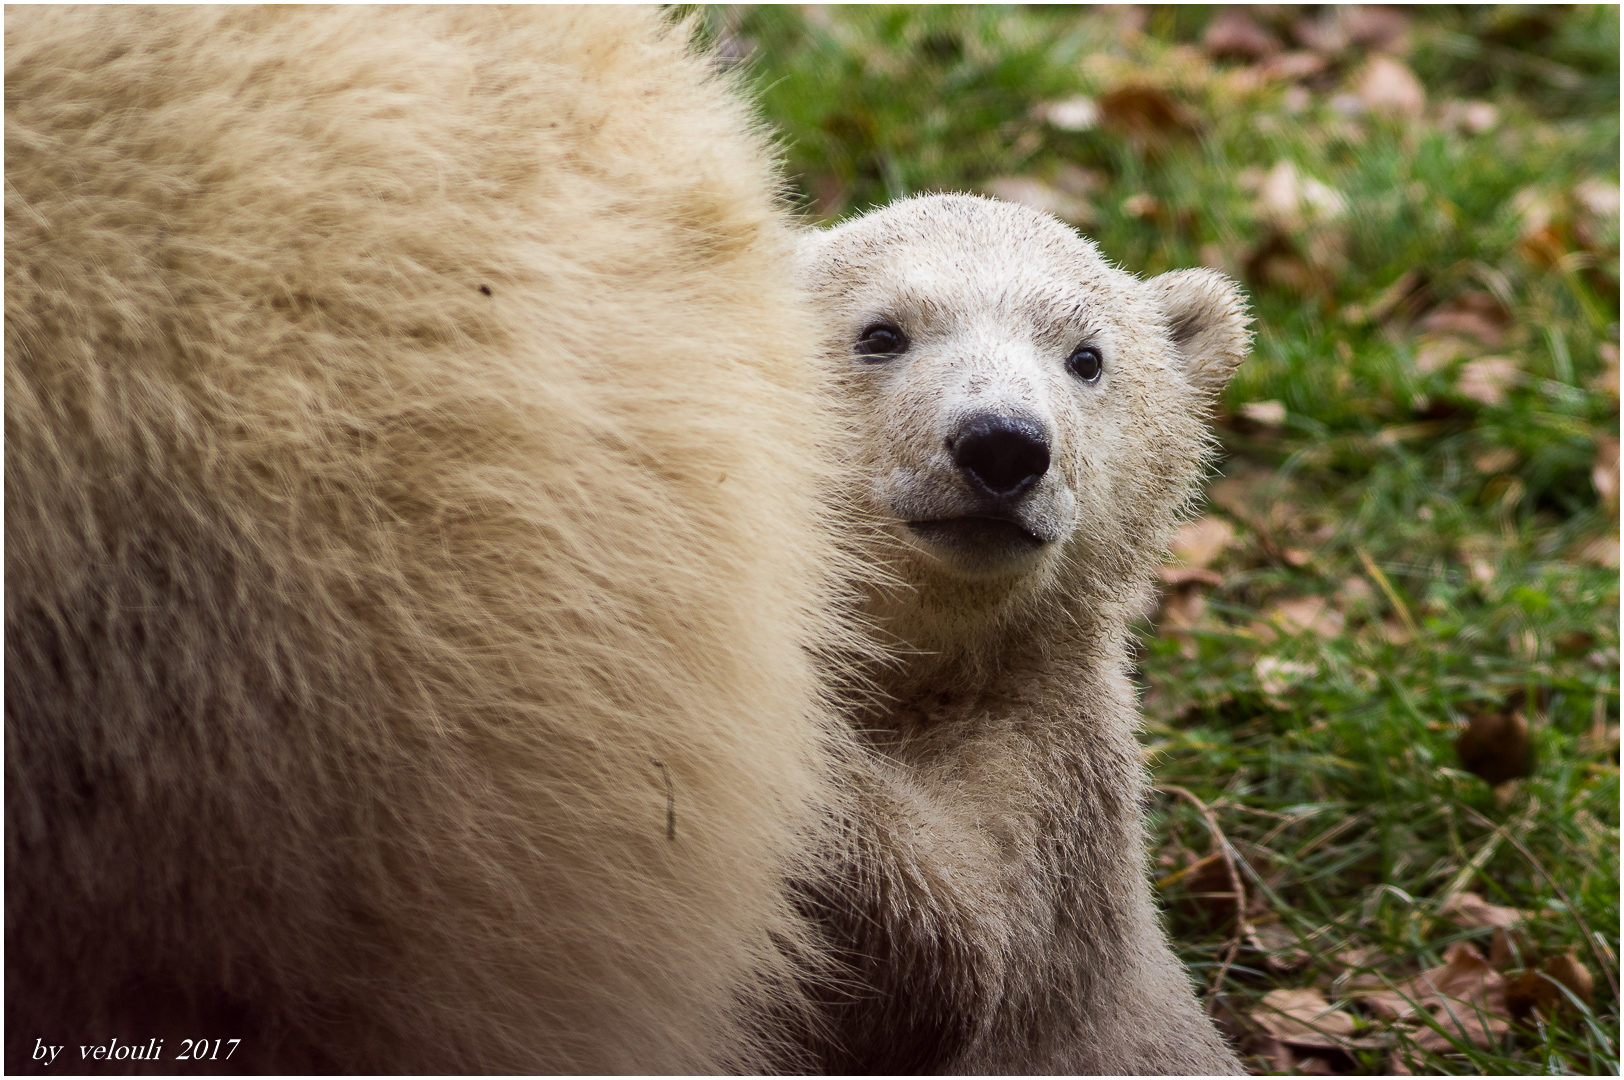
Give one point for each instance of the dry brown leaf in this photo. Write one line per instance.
(1510, 949)
(1292, 65)
(1306, 614)
(1473, 314)
(1604, 473)
(1464, 992)
(1146, 114)
(1466, 996)
(1567, 970)
(1326, 34)
(1487, 378)
(1461, 1020)
(1201, 541)
(1303, 1017)
(1232, 35)
(1539, 990)
(1387, 1004)
(1293, 199)
(1376, 26)
(1495, 746)
(1471, 911)
(1387, 86)
(1265, 413)
(1276, 1054)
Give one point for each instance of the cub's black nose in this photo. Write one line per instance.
(1002, 455)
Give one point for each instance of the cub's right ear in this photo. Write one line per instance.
(1208, 322)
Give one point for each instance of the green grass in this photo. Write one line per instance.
(1457, 534)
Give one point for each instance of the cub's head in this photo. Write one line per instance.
(1028, 419)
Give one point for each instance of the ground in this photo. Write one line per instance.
(1381, 690)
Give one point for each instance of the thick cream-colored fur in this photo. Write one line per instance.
(989, 897)
(411, 496)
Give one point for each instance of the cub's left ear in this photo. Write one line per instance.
(1208, 321)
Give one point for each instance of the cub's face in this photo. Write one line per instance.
(1021, 407)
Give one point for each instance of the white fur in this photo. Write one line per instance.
(413, 464)
(990, 896)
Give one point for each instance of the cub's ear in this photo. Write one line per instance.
(1208, 322)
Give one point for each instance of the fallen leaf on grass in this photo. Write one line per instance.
(1265, 413)
(1302, 1017)
(1233, 35)
(1291, 65)
(1495, 746)
(1487, 379)
(1375, 26)
(1387, 86)
(1465, 996)
(1147, 115)
(1201, 541)
(1293, 199)
(1471, 911)
(1510, 949)
(1306, 614)
(1539, 990)
(1474, 314)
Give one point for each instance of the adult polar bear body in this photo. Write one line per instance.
(411, 496)
(1029, 426)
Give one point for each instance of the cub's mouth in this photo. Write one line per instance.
(981, 537)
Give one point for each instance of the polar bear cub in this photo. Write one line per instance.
(1025, 430)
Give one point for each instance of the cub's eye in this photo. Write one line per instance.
(880, 340)
(1086, 363)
